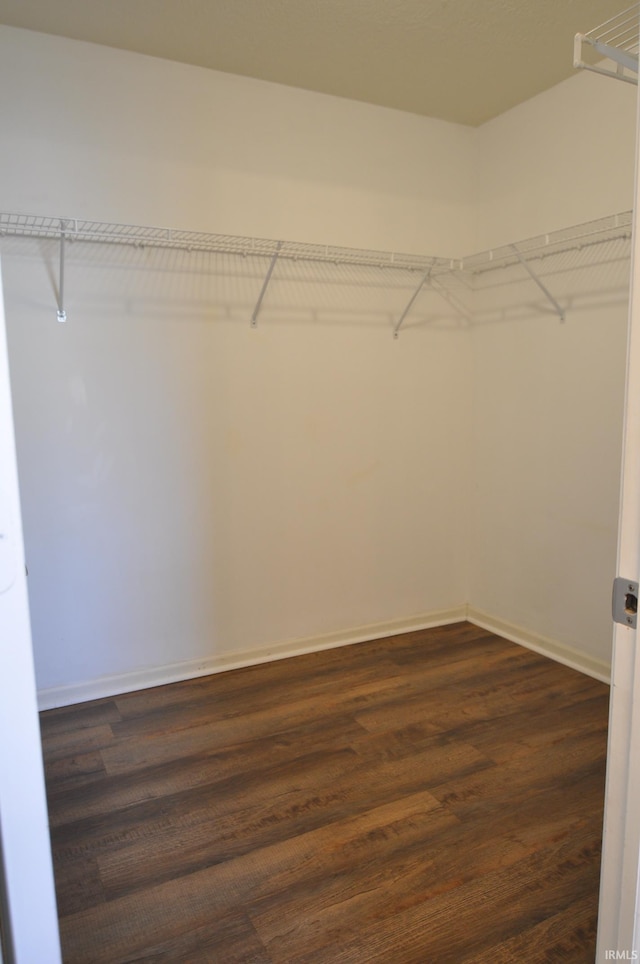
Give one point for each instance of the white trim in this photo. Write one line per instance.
(596, 668)
(28, 911)
(619, 881)
(106, 686)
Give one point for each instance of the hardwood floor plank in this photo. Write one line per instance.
(75, 742)
(72, 718)
(481, 694)
(567, 936)
(70, 772)
(78, 886)
(197, 769)
(228, 940)
(501, 735)
(524, 776)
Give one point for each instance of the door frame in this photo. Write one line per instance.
(28, 914)
(618, 924)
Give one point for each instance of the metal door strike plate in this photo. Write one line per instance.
(625, 602)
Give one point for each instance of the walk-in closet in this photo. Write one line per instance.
(291, 372)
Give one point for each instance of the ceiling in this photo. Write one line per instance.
(459, 60)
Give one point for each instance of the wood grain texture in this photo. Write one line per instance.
(431, 797)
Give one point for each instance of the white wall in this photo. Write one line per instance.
(561, 158)
(108, 135)
(548, 397)
(194, 489)
(547, 428)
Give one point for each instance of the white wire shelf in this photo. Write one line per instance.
(573, 238)
(576, 238)
(617, 40)
(327, 265)
(34, 226)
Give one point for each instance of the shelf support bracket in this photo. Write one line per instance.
(423, 281)
(62, 314)
(534, 277)
(265, 285)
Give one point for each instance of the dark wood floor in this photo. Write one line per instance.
(428, 798)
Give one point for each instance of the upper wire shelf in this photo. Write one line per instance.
(33, 226)
(575, 238)
(436, 274)
(617, 40)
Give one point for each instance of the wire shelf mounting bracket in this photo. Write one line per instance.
(61, 314)
(534, 277)
(617, 40)
(265, 285)
(411, 302)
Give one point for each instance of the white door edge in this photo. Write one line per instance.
(619, 893)
(29, 916)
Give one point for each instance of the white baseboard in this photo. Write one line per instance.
(596, 668)
(107, 686)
